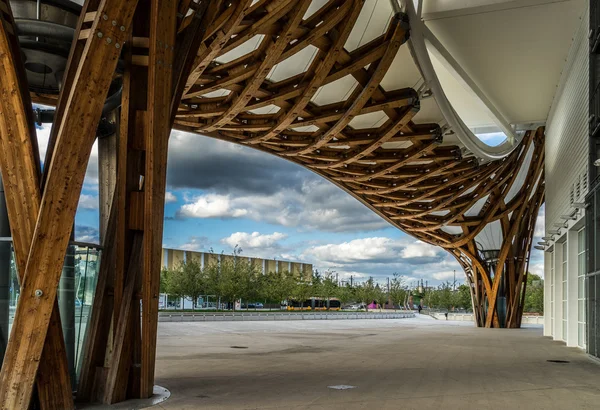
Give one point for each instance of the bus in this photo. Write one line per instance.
(317, 304)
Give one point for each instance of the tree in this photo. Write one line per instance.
(302, 290)
(366, 292)
(382, 297)
(174, 283)
(398, 290)
(163, 280)
(462, 297)
(187, 280)
(345, 294)
(534, 294)
(328, 287)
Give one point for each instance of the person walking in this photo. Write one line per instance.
(420, 308)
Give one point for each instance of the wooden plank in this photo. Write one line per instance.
(162, 37)
(136, 210)
(118, 373)
(107, 173)
(20, 168)
(82, 109)
(98, 328)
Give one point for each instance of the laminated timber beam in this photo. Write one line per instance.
(75, 136)
(158, 127)
(401, 169)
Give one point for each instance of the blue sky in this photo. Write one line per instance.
(221, 195)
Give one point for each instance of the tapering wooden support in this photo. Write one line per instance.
(20, 166)
(76, 134)
(509, 270)
(163, 18)
(121, 363)
(91, 385)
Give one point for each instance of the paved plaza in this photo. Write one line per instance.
(416, 363)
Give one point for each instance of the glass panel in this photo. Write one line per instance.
(581, 334)
(581, 310)
(82, 263)
(580, 285)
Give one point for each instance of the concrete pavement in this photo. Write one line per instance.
(418, 363)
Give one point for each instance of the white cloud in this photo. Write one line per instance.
(420, 249)
(447, 275)
(211, 206)
(376, 249)
(540, 223)
(537, 268)
(195, 243)
(170, 197)
(88, 202)
(317, 205)
(366, 249)
(254, 240)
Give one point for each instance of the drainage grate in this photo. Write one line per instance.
(239, 347)
(558, 361)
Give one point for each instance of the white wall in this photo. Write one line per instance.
(566, 182)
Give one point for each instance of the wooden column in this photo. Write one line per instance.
(20, 166)
(107, 172)
(163, 15)
(76, 134)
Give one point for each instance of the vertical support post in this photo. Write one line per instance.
(163, 18)
(107, 173)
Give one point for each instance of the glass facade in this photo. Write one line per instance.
(592, 287)
(76, 288)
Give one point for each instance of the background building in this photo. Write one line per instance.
(172, 257)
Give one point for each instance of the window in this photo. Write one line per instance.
(564, 290)
(581, 271)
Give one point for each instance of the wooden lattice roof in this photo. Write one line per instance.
(366, 139)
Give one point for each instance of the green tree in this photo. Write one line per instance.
(316, 283)
(163, 280)
(252, 281)
(382, 297)
(328, 288)
(174, 283)
(462, 297)
(398, 289)
(232, 285)
(367, 292)
(345, 294)
(534, 294)
(187, 280)
(302, 290)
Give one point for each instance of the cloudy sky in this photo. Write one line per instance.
(221, 195)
